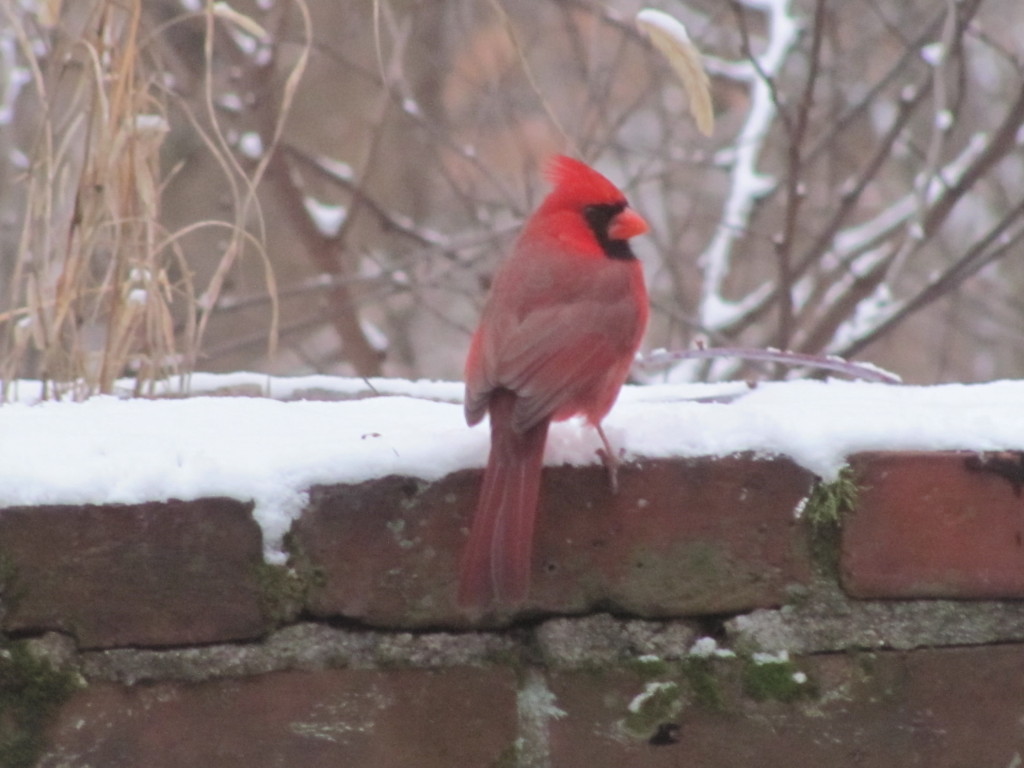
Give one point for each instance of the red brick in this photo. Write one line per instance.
(386, 551)
(172, 573)
(682, 537)
(325, 719)
(926, 709)
(926, 525)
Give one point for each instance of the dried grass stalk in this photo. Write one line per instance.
(97, 285)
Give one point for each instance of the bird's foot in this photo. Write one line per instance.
(610, 459)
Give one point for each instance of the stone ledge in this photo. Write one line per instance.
(826, 620)
(299, 647)
(686, 549)
(683, 538)
(594, 690)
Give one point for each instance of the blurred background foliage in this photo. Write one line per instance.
(312, 186)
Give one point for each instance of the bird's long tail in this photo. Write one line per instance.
(497, 559)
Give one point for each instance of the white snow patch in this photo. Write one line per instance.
(781, 657)
(934, 53)
(337, 168)
(650, 690)
(251, 145)
(707, 647)
(112, 450)
(151, 123)
(230, 102)
(327, 218)
(747, 184)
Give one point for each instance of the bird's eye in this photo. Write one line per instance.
(599, 217)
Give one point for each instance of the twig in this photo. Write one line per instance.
(387, 219)
(747, 184)
(866, 372)
(753, 307)
(979, 256)
(510, 30)
(795, 189)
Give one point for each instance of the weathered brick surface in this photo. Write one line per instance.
(325, 719)
(386, 551)
(933, 709)
(681, 537)
(930, 525)
(927, 708)
(154, 574)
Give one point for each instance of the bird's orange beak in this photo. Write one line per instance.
(626, 224)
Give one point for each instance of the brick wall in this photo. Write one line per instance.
(693, 619)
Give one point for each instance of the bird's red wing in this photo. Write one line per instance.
(567, 359)
(478, 383)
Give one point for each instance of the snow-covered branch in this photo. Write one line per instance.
(746, 183)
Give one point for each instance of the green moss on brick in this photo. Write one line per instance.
(775, 680)
(509, 757)
(31, 692)
(703, 683)
(700, 566)
(657, 703)
(830, 501)
(284, 590)
(648, 666)
(824, 511)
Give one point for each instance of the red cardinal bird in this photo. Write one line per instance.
(558, 334)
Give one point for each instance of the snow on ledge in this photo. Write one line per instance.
(114, 450)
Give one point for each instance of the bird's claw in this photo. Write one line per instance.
(611, 463)
(610, 460)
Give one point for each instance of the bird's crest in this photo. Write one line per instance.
(575, 181)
